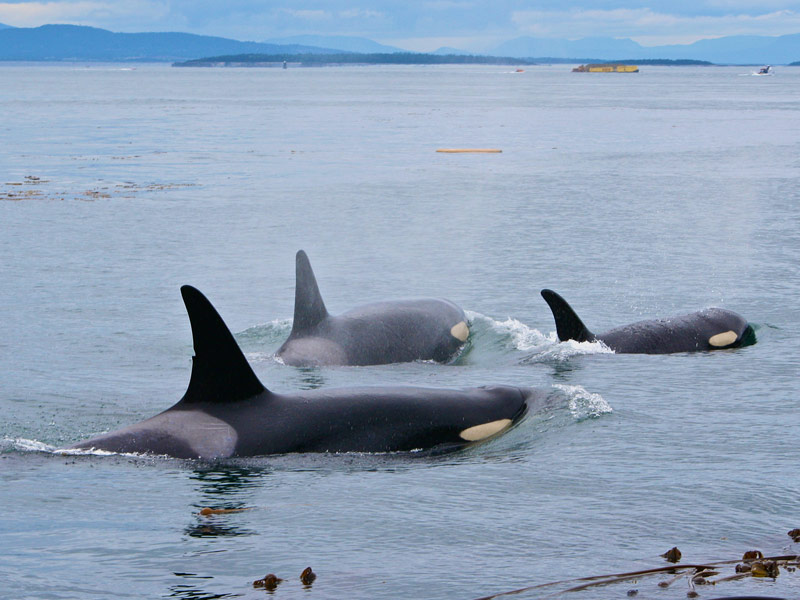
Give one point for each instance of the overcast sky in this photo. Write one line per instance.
(423, 25)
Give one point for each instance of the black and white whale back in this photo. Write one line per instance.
(371, 334)
(708, 329)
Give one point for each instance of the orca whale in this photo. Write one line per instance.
(227, 412)
(372, 334)
(709, 329)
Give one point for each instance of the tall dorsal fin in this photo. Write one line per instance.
(220, 372)
(568, 324)
(309, 309)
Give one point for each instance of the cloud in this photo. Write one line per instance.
(472, 24)
(649, 27)
(450, 5)
(306, 15)
(360, 13)
(98, 13)
(751, 6)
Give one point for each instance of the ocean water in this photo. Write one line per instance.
(634, 196)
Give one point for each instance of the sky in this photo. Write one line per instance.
(423, 25)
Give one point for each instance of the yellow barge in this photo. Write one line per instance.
(606, 68)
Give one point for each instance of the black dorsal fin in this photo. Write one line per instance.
(220, 372)
(309, 309)
(568, 324)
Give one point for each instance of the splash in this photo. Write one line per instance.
(515, 333)
(253, 340)
(561, 351)
(24, 445)
(582, 403)
(523, 337)
(271, 333)
(262, 357)
(90, 452)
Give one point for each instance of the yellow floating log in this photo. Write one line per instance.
(462, 150)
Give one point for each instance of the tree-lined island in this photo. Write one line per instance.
(394, 58)
(329, 60)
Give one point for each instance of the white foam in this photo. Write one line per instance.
(87, 452)
(522, 337)
(25, 445)
(260, 356)
(273, 331)
(570, 348)
(544, 346)
(99, 452)
(582, 403)
(274, 324)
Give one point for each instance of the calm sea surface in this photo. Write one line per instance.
(634, 196)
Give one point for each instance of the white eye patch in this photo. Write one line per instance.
(722, 339)
(481, 432)
(460, 331)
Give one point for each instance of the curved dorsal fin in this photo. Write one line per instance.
(568, 324)
(309, 309)
(220, 372)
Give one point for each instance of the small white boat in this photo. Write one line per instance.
(765, 70)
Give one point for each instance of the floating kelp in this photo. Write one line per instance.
(673, 555)
(269, 582)
(221, 511)
(33, 187)
(307, 576)
(767, 568)
(752, 564)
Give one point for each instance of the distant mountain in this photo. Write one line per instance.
(338, 42)
(726, 50)
(595, 47)
(73, 42)
(446, 51)
(741, 49)
(4, 26)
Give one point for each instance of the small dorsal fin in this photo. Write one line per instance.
(568, 324)
(309, 309)
(220, 372)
